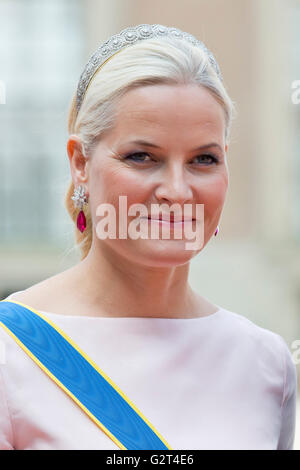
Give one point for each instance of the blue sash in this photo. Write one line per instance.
(75, 373)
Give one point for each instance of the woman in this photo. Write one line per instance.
(150, 122)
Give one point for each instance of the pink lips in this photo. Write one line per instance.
(170, 218)
(169, 221)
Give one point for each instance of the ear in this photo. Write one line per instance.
(78, 162)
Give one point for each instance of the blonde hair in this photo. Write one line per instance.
(148, 62)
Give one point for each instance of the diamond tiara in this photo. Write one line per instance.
(127, 37)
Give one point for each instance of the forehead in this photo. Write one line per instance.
(170, 108)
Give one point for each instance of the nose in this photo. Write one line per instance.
(173, 186)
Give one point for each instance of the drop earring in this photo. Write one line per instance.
(80, 199)
(217, 230)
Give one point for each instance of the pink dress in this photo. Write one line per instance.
(214, 382)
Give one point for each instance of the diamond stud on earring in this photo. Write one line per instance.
(80, 199)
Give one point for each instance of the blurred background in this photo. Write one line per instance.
(253, 266)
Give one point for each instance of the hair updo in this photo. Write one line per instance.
(149, 62)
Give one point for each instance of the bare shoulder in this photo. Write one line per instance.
(49, 295)
(205, 306)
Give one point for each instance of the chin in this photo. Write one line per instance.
(164, 253)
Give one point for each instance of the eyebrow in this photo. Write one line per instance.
(150, 144)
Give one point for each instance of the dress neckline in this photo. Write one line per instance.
(57, 315)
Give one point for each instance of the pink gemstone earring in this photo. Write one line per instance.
(217, 230)
(79, 197)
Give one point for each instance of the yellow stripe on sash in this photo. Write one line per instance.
(19, 320)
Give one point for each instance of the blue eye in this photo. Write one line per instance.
(212, 157)
(139, 157)
(136, 154)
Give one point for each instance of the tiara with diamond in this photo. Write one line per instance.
(127, 37)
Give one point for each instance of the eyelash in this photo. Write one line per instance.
(215, 160)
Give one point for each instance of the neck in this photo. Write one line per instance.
(118, 287)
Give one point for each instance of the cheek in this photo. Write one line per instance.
(110, 181)
(212, 193)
